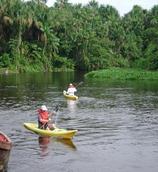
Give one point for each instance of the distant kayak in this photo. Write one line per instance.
(57, 132)
(71, 97)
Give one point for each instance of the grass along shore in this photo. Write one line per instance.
(31, 70)
(122, 74)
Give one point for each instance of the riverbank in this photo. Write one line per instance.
(9, 71)
(122, 74)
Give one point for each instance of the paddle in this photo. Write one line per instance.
(55, 112)
(80, 83)
(57, 108)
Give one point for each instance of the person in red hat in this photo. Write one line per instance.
(71, 89)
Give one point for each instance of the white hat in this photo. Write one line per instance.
(44, 108)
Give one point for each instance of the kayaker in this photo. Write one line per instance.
(71, 89)
(44, 118)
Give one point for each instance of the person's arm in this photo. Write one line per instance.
(43, 120)
(51, 114)
(68, 91)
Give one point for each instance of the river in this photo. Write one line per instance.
(117, 124)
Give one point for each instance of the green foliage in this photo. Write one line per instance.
(121, 74)
(62, 62)
(140, 63)
(5, 60)
(35, 37)
(151, 55)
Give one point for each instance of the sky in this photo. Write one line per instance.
(123, 6)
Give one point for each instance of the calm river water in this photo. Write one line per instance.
(117, 124)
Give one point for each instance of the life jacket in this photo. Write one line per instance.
(43, 115)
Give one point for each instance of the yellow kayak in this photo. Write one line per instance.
(57, 132)
(69, 96)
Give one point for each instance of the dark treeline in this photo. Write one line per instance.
(36, 37)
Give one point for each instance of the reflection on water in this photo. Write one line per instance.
(4, 158)
(43, 144)
(67, 142)
(72, 105)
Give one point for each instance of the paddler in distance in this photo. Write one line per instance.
(71, 89)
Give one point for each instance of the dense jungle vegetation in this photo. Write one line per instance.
(35, 37)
